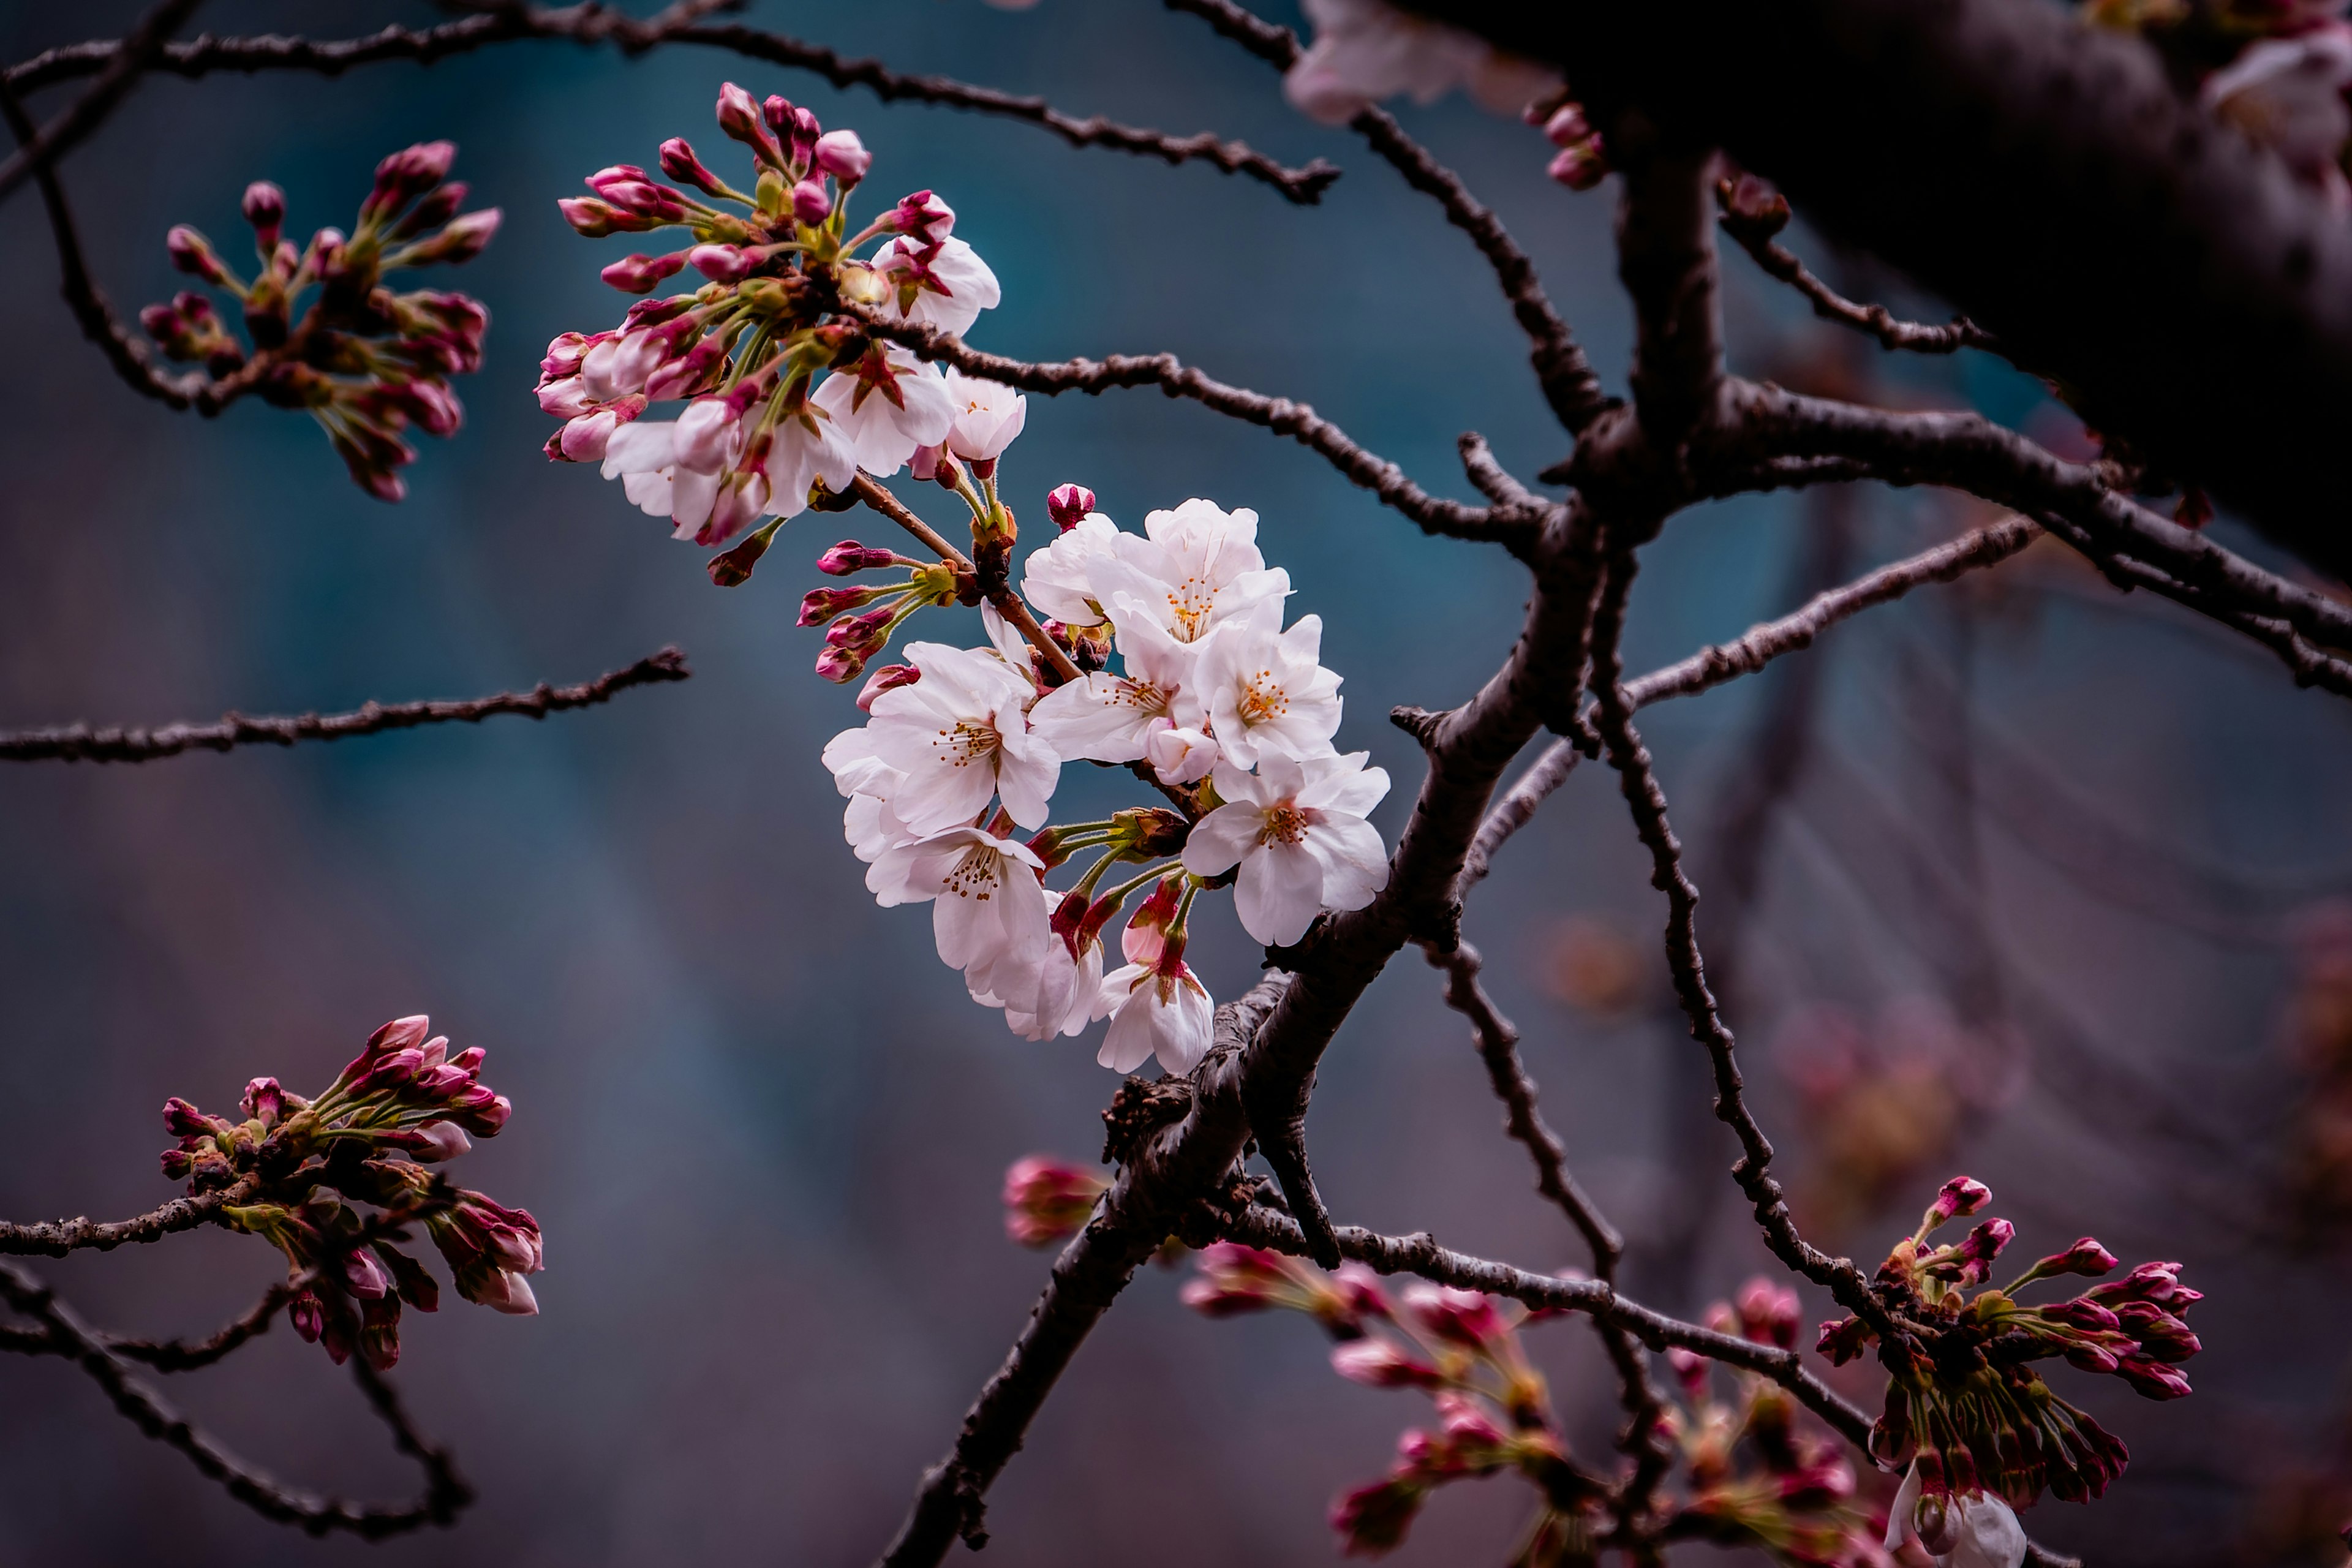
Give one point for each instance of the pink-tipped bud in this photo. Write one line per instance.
(1959, 1197)
(1568, 125)
(886, 678)
(182, 1120)
(849, 556)
(363, 1275)
(1464, 1316)
(1235, 1279)
(2086, 1257)
(805, 133)
(1066, 504)
(438, 1141)
(1382, 1364)
(679, 163)
(1768, 1313)
(1372, 1520)
(812, 203)
(819, 606)
(1046, 1201)
(841, 154)
(1579, 167)
(305, 1312)
(840, 666)
(740, 117)
(1984, 1243)
(1689, 1368)
(861, 635)
(777, 110)
(640, 273)
(595, 219)
(193, 255)
(264, 1101)
(265, 209)
(732, 568)
(465, 237)
(923, 218)
(410, 173)
(437, 207)
(722, 263)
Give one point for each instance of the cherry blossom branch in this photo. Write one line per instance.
(54, 1238)
(1497, 1041)
(80, 744)
(1510, 526)
(118, 69)
(1613, 718)
(445, 1495)
(1566, 377)
(1876, 320)
(1006, 602)
(593, 24)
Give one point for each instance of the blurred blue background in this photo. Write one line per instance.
(2029, 910)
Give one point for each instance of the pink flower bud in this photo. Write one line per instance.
(862, 635)
(1769, 1315)
(679, 163)
(722, 263)
(819, 606)
(1689, 1369)
(182, 1120)
(1579, 167)
(264, 1101)
(1382, 1364)
(849, 556)
(435, 210)
(177, 1164)
(740, 117)
(886, 678)
(1960, 1196)
(1568, 125)
(2086, 1257)
(465, 238)
(840, 666)
(688, 373)
(1066, 504)
(777, 110)
(1046, 1201)
(923, 218)
(409, 173)
(193, 254)
(306, 1314)
(841, 154)
(2153, 1379)
(363, 1275)
(812, 203)
(805, 133)
(1372, 1520)
(595, 219)
(265, 209)
(1842, 1339)
(584, 439)
(439, 1141)
(1462, 1316)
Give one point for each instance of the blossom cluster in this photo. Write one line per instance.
(1965, 1408)
(1462, 1349)
(367, 362)
(1200, 687)
(1760, 1474)
(402, 1105)
(747, 348)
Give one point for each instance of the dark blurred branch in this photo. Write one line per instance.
(54, 1238)
(445, 1496)
(594, 24)
(1509, 525)
(1569, 382)
(118, 66)
(80, 742)
(1877, 321)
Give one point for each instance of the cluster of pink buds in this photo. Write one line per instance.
(298, 1166)
(863, 618)
(1047, 1200)
(1758, 1475)
(1462, 1349)
(367, 362)
(1965, 1406)
(1582, 161)
(761, 433)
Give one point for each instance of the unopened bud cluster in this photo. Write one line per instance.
(299, 1166)
(365, 360)
(1966, 1407)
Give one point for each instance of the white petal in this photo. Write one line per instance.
(1278, 893)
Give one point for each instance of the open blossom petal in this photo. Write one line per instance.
(1366, 51)
(987, 914)
(887, 417)
(1300, 850)
(953, 284)
(960, 735)
(1989, 1534)
(1068, 992)
(809, 447)
(1180, 755)
(1153, 1014)
(1111, 718)
(987, 415)
(1267, 694)
(1055, 578)
(1194, 567)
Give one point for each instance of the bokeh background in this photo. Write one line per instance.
(2023, 878)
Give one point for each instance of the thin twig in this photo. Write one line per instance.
(1172, 375)
(446, 1493)
(1875, 320)
(54, 1238)
(118, 69)
(593, 24)
(80, 744)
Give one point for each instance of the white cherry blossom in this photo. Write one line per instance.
(1981, 1530)
(986, 914)
(1180, 756)
(1366, 51)
(887, 411)
(954, 284)
(808, 447)
(1111, 718)
(1191, 568)
(1068, 989)
(1055, 579)
(1159, 1010)
(1298, 831)
(960, 735)
(987, 415)
(1267, 694)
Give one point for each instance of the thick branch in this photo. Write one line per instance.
(80, 744)
(1280, 415)
(1936, 136)
(593, 24)
(446, 1493)
(1665, 259)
